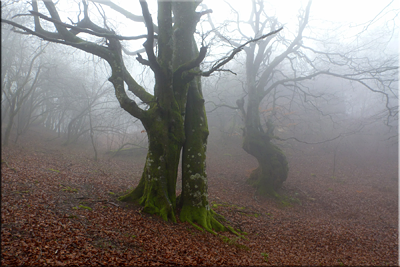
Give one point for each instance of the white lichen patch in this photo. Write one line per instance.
(197, 194)
(196, 176)
(149, 161)
(188, 166)
(199, 154)
(197, 204)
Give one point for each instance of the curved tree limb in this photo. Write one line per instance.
(221, 63)
(148, 45)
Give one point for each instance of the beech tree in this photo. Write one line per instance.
(286, 64)
(174, 116)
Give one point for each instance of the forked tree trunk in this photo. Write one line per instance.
(176, 73)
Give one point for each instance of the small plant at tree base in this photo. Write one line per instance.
(233, 242)
(69, 189)
(265, 255)
(84, 207)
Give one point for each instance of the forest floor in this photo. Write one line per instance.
(59, 207)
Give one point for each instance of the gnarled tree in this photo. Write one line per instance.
(174, 116)
(282, 67)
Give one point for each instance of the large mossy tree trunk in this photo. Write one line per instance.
(156, 188)
(163, 123)
(193, 200)
(174, 117)
(179, 120)
(194, 197)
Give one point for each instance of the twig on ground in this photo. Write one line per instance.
(8, 166)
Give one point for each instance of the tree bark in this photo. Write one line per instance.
(157, 186)
(272, 168)
(10, 122)
(194, 197)
(177, 91)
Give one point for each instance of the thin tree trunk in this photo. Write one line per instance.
(10, 122)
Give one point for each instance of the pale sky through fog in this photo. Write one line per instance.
(325, 16)
(348, 13)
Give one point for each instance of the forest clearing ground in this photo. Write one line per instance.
(59, 207)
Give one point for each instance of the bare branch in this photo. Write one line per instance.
(219, 106)
(78, 29)
(148, 45)
(194, 63)
(142, 60)
(124, 12)
(235, 51)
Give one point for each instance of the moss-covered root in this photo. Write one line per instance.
(135, 194)
(202, 217)
(152, 202)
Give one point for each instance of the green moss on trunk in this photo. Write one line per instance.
(156, 189)
(203, 216)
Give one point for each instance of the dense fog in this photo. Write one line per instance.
(283, 97)
(63, 89)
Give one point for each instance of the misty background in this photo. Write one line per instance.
(353, 114)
